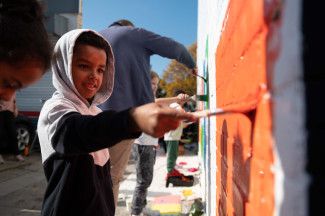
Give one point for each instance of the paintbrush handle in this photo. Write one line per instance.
(208, 113)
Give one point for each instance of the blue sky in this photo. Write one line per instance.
(172, 18)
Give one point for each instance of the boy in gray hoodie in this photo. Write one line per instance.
(75, 135)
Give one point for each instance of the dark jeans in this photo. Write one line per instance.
(145, 160)
(8, 134)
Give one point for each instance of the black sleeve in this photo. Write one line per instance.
(77, 134)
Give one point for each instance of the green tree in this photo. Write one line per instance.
(178, 77)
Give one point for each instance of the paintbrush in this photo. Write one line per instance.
(244, 106)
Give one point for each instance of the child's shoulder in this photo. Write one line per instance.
(58, 103)
(54, 108)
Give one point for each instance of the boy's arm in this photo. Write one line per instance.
(78, 133)
(156, 119)
(180, 99)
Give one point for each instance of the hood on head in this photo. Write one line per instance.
(62, 70)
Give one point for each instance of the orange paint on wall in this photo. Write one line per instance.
(245, 182)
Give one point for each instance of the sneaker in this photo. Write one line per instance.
(20, 158)
(174, 173)
(2, 161)
(178, 179)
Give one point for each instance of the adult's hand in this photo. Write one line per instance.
(194, 71)
(157, 119)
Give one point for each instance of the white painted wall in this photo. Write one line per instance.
(211, 14)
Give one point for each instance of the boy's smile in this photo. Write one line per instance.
(88, 68)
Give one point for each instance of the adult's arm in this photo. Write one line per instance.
(166, 47)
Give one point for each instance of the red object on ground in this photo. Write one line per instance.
(192, 169)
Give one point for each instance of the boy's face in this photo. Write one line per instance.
(154, 84)
(14, 77)
(88, 67)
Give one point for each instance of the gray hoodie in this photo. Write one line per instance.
(74, 138)
(67, 99)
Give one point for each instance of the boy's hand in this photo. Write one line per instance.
(157, 119)
(182, 98)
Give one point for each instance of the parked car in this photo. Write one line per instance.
(30, 101)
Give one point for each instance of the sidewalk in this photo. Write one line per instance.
(158, 186)
(12, 163)
(27, 179)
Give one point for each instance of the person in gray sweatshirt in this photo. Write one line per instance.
(132, 49)
(75, 134)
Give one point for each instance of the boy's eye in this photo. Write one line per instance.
(101, 70)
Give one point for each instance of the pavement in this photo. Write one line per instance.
(185, 163)
(22, 185)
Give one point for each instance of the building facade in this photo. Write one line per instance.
(60, 17)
